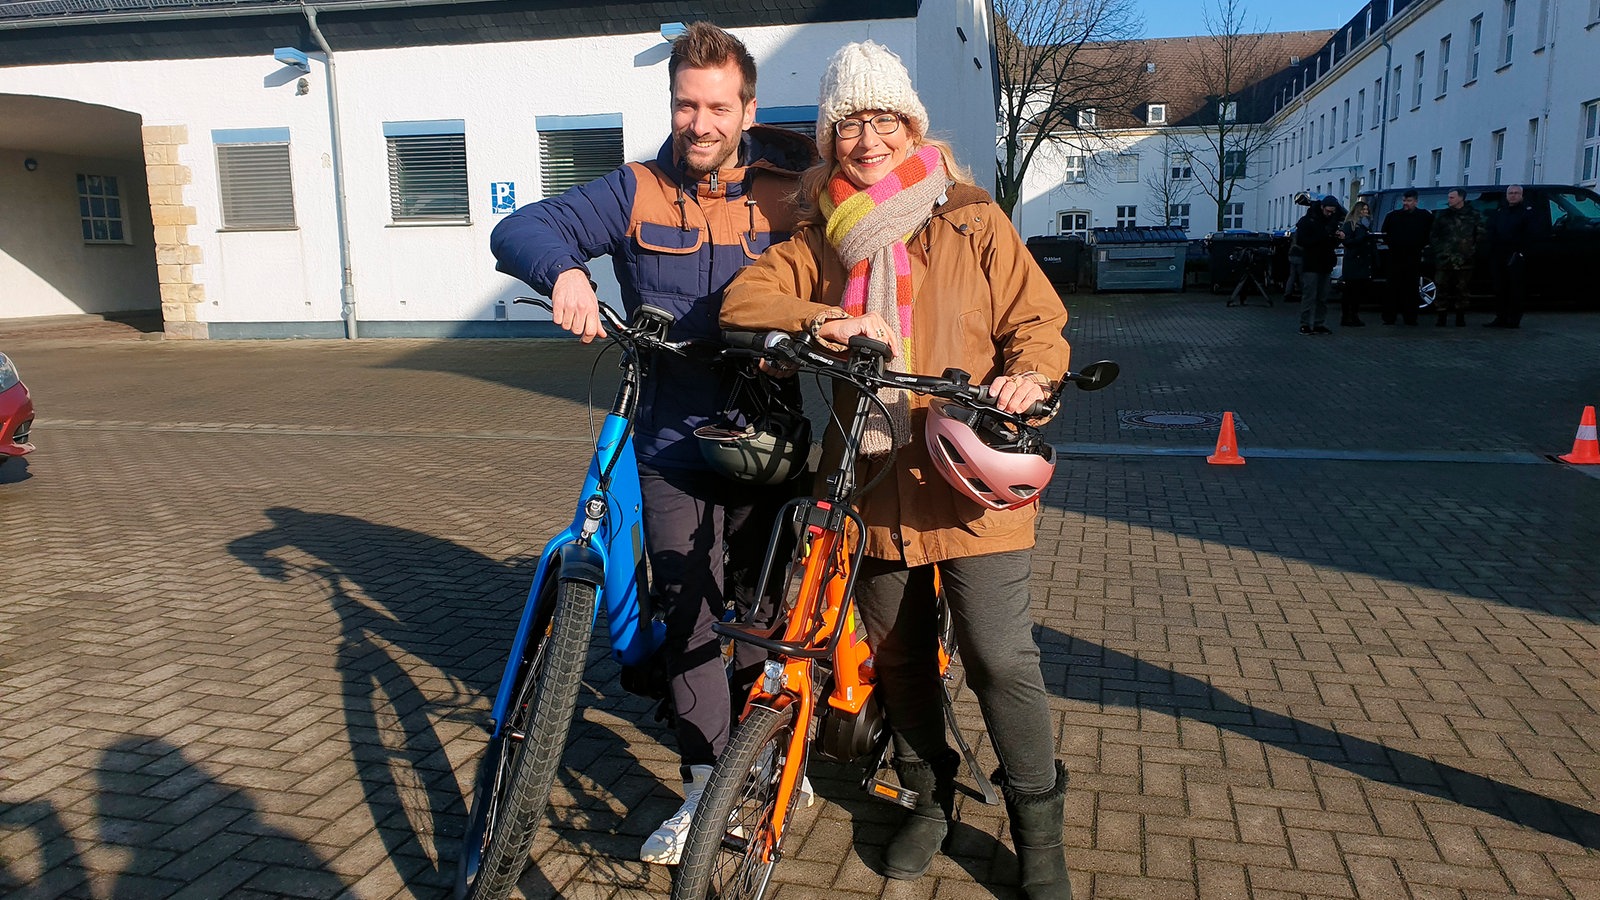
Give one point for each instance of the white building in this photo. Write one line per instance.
(1439, 93)
(1148, 164)
(169, 156)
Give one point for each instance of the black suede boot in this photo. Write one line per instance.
(924, 830)
(1036, 822)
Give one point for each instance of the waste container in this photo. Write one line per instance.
(1061, 258)
(1139, 259)
(1232, 252)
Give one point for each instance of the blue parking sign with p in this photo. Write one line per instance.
(502, 196)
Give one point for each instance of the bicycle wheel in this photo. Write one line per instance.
(733, 824)
(519, 767)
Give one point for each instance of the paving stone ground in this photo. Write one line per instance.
(257, 595)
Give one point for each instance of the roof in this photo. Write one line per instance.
(35, 32)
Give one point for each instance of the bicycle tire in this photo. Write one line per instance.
(511, 794)
(741, 793)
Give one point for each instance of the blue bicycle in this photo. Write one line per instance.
(599, 558)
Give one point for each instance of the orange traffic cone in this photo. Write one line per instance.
(1227, 453)
(1585, 447)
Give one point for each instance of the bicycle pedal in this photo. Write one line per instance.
(883, 790)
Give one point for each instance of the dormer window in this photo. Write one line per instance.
(1228, 110)
(1156, 114)
(1086, 118)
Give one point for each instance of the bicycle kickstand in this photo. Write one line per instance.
(989, 796)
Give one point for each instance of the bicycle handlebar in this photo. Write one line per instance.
(649, 332)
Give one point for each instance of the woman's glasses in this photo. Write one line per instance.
(849, 129)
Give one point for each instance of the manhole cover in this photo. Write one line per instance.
(1166, 419)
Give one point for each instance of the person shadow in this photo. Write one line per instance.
(58, 870)
(403, 598)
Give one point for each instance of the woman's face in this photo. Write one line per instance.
(868, 157)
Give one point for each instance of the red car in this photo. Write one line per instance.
(16, 412)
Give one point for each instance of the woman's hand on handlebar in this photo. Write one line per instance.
(872, 325)
(575, 307)
(1016, 393)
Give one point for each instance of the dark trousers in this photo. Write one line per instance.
(1510, 288)
(990, 606)
(1314, 290)
(1355, 291)
(1401, 299)
(707, 536)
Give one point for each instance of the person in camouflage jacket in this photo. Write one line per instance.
(1457, 229)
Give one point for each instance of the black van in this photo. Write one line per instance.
(1561, 269)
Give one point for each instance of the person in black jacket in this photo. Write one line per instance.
(1358, 248)
(1514, 226)
(1405, 234)
(1318, 233)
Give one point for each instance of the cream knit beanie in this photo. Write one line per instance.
(865, 76)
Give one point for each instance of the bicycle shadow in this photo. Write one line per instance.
(1100, 675)
(403, 596)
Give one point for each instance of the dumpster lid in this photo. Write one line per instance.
(1143, 235)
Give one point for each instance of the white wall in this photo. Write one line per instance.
(1551, 74)
(46, 269)
(445, 272)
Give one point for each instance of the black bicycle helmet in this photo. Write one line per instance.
(772, 449)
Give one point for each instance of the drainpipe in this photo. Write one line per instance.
(1536, 162)
(1383, 127)
(347, 287)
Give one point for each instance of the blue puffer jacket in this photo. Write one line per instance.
(674, 243)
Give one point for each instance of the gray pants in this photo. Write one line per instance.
(1314, 290)
(990, 607)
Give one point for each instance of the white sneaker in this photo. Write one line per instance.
(665, 846)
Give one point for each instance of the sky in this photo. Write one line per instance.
(1182, 18)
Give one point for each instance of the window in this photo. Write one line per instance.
(1333, 125)
(1074, 221)
(1316, 127)
(1128, 167)
(1372, 181)
(1127, 216)
(1388, 173)
(427, 170)
(1344, 133)
(1182, 168)
(1086, 118)
(1077, 169)
(1497, 146)
(1464, 171)
(1156, 114)
(1435, 166)
(1361, 109)
(1508, 27)
(1178, 215)
(1377, 101)
(1394, 107)
(1594, 12)
(795, 118)
(1474, 47)
(1589, 173)
(1416, 82)
(1444, 65)
(253, 176)
(1227, 111)
(100, 209)
(1233, 164)
(1533, 144)
(1411, 171)
(576, 150)
(1233, 215)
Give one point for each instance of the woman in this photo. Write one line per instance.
(898, 244)
(1359, 246)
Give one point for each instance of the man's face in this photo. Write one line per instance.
(708, 118)
(1514, 194)
(1329, 212)
(1409, 202)
(1456, 199)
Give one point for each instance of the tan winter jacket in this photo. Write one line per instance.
(982, 304)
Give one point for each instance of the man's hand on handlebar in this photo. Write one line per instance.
(872, 325)
(575, 306)
(1016, 393)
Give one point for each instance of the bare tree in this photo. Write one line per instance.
(1233, 63)
(1059, 59)
(1172, 182)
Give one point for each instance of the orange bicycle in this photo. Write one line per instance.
(817, 644)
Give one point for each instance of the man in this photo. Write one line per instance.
(678, 229)
(1514, 227)
(1318, 235)
(1405, 234)
(1454, 239)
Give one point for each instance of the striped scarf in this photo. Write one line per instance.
(869, 228)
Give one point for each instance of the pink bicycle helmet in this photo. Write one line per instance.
(998, 472)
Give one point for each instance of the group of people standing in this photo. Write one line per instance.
(892, 240)
(1411, 235)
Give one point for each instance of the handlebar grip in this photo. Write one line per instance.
(1037, 410)
(746, 340)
